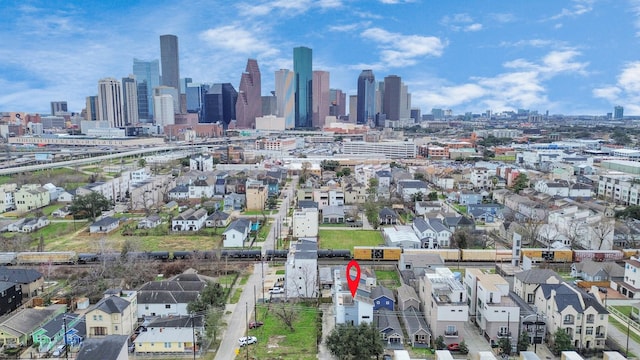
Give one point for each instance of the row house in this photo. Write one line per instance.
(432, 232)
(577, 313)
(622, 189)
(169, 298)
(305, 222)
(256, 196)
(301, 273)
(355, 194)
(587, 228)
(480, 177)
(445, 304)
(526, 207)
(7, 199)
(150, 193)
(491, 307)
(30, 197)
(408, 188)
(201, 188)
(234, 202)
(189, 220)
(630, 285)
(201, 162)
(364, 172)
(350, 309)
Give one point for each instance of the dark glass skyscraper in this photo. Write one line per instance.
(302, 67)
(170, 63)
(220, 104)
(249, 104)
(391, 100)
(147, 75)
(366, 97)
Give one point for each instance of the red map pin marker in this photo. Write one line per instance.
(353, 283)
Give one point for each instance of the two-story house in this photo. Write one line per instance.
(630, 285)
(491, 307)
(168, 298)
(526, 282)
(301, 273)
(30, 197)
(237, 233)
(445, 304)
(383, 298)
(305, 222)
(113, 315)
(189, 220)
(351, 309)
(432, 232)
(256, 196)
(579, 314)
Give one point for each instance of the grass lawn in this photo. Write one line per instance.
(258, 212)
(236, 296)
(623, 328)
(280, 272)
(625, 309)
(333, 225)
(276, 341)
(388, 278)
(47, 210)
(347, 239)
(461, 208)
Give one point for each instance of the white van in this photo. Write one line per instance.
(59, 350)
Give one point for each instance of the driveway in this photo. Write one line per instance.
(237, 322)
(328, 323)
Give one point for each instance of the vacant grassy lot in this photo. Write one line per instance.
(347, 239)
(276, 341)
(388, 278)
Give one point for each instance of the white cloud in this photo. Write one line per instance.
(393, 2)
(403, 50)
(535, 43)
(522, 86)
(473, 27)
(626, 91)
(580, 7)
(461, 22)
(635, 9)
(237, 39)
(502, 17)
(344, 28)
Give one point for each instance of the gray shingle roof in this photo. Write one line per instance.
(106, 221)
(105, 348)
(112, 305)
(380, 291)
(239, 225)
(19, 276)
(592, 267)
(536, 276)
(387, 322)
(414, 321)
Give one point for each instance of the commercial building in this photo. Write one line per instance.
(249, 103)
(110, 102)
(285, 96)
(129, 100)
(302, 67)
(321, 98)
(366, 97)
(147, 75)
(390, 149)
(169, 60)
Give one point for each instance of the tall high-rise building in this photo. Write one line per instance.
(220, 104)
(285, 97)
(130, 100)
(58, 107)
(249, 104)
(147, 75)
(110, 102)
(269, 104)
(302, 67)
(163, 108)
(321, 103)
(168, 90)
(169, 60)
(353, 108)
(366, 97)
(391, 98)
(338, 104)
(405, 102)
(91, 108)
(195, 97)
(618, 113)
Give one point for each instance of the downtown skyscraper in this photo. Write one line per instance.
(147, 74)
(366, 97)
(321, 98)
(169, 59)
(249, 103)
(110, 102)
(285, 97)
(129, 100)
(302, 67)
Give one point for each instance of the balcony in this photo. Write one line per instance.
(568, 322)
(451, 333)
(504, 334)
(600, 336)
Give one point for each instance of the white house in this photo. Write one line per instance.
(630, 285)
(169, 298)
(189, 220)
(104, 225)
(237, 233)
(432, 232)
(305, 223)
(301, 274)
(350, 309)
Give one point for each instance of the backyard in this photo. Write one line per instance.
(277, 341)
(347, 239)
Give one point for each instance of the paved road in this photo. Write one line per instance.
(620, 337)
(237, 322)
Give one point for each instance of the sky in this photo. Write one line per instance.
(577, 57)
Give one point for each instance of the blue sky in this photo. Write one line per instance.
(571, 57)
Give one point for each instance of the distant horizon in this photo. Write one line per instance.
(577, 58)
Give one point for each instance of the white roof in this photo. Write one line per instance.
(165, 335)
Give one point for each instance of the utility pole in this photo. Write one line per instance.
(246, 322)
(628, 328)
(193, 333)
(255, 305)
(66, 344)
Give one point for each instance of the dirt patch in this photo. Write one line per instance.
(274, 341)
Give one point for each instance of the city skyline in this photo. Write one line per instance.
(571, 57)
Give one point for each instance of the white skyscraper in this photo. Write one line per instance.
(110, 102)
(130, 100)
(163, 110)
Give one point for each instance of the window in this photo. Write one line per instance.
(590, 318)
(451, 330)
(167, 306)
(167, 345)
(589, 330)
(568, 319)
(530, 298)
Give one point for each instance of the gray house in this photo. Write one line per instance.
(416, 326)
(589, 270)
(105, 225)
(389, 326)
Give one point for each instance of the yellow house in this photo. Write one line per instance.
(113, 315)
(256, 196)
(31, 197)
(165, 340)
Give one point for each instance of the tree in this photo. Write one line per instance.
(419, 196)
(329, 165)
(371, 210)
(523, 341)
(212, 296)
(603, 232)
(351, 342)
(142, 162)
(461, 238)
(89, 206)
(505, 345)
(463, 348)
(419, 176)
(212, 323)
(561, 342)
(432, 196)
(372, 189)
(520, 182)
(439, 343)
(287, 313)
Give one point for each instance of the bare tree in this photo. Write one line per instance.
(603, 232)
(287, 313)
(304, 279)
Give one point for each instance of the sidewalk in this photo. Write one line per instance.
(620, 338)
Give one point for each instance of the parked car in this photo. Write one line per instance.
(59, 350)
(386, 357)
(255, 324)
(276, 290)
(453, 347)
(247, 340)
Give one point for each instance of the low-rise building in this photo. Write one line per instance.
(305, 222)
(301, 273)
(113, 315)
(189, 220)
(237, 233)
